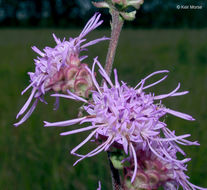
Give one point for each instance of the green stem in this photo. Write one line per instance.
(116, 182)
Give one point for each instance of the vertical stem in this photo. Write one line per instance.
(116, 183)
(117, 24)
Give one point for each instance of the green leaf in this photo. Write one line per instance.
(128, 16)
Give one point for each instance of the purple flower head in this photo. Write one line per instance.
(154, 172)
(126, 117)
(60, 68)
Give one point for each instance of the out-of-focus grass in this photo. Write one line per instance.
(33, 157)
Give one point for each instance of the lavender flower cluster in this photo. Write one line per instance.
(119, 117)
(60, 68)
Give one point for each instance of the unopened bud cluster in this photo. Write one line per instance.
(152, 173)
(122, 6)
(74, 77)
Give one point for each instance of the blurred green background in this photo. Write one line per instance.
(37, 158)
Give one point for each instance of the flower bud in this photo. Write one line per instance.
(70, 72)
(101, 4)
(152, 172)
(83, 82)
(67, 85)
(122, 6)
(73, 59)
(128, 16)
(135, 3)
(81, 87)
(57, 87)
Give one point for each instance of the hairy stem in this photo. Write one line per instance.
(116, 25)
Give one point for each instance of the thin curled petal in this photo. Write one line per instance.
(179, 114)
(26, 116)
(94, 80)
(29, 86)
(195, 186)
(78, 130)
(117, 85)
(56, 104)
(167, 95)
(102, 71)
(155, 83)
(180, 93)
(91, 25)
(152, 74)
(26, 105)
(57, 40)
(38, 51)
(63, 96)
(63, 123)
(95, 151)
(135, 162)
(76, 97)
(95, 41)
(83, 142)
(83, 57)
(171, 139)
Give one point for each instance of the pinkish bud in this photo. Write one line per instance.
(57, 87)
(151, 174)
(70, 72)
(84, 74)
(101, 4)
(81, 86)
(141, 181)
(76, 79)
(67, 85)
(58, 76)
(153, 178)
(88, 91)
(73, 59)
